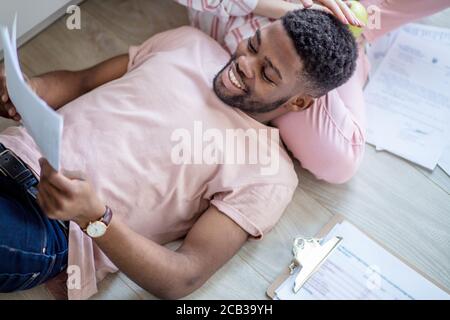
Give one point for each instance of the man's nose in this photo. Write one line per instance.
(245, 65)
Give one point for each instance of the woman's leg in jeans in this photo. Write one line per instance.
(33, 249)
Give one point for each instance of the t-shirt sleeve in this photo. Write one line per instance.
(138, 54)
(166, 41)
(255, 208)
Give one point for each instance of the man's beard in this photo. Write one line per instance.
(243, 102)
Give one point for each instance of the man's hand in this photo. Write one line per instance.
(68, 197)
(7, 109)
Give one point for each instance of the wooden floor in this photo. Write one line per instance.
(404, 207)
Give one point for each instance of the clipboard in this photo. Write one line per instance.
(337, 219)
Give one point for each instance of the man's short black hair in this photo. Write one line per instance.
(326, 47)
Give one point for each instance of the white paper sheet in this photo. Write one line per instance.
(408, 101)
(444, 161)
(377, 51)
(361, 269)
(41, 122)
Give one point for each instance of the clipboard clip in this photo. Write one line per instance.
(309, 254)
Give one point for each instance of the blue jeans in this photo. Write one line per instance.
(33, 249)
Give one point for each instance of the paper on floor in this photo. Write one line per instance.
(377, 52)
(408, 101)
(361, 269)
(444, 161)
(41, 122)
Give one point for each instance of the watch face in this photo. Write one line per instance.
(96, 229)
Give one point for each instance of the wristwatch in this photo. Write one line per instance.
(97, 229)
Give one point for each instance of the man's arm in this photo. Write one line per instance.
(213, 240)
(58, 88)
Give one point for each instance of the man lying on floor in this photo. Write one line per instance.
(122, 118)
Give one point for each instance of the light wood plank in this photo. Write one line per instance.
(234, 281)
(39, 293)
(304, 217)
(108, 29)
(115, 288)
(438, 176)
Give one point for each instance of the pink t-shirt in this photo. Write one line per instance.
(126, 136)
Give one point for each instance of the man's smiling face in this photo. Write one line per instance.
(263, 74)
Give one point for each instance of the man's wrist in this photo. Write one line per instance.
(96, 214)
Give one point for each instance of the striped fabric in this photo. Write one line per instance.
(227, 21)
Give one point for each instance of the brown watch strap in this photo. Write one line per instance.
(107, 217)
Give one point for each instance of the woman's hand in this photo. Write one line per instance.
(68, 197)
(7, 108)
(338, 8)
(276, 9)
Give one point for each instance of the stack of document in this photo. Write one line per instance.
(408, 95)
(361, 269)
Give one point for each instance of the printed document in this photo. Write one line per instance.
(408, 101)
(428, 38)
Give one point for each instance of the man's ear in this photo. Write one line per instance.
(299, 103)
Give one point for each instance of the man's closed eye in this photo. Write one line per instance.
(250, 46)
(266, 77)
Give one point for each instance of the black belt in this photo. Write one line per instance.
(12, 167)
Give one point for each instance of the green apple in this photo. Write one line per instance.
(361, 13)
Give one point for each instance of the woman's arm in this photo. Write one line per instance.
(396, 13)
(222, 7)
(274, 9)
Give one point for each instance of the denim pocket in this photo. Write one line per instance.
(17, 282)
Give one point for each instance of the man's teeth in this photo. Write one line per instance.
(233, 79)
